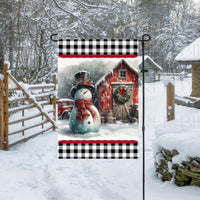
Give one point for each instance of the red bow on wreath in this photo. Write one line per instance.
(123, 91)
(82, 109)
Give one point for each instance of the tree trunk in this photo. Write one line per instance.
(1, 58)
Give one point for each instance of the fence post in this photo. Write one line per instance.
(42, 108)
(6, 147)
(54, 99)
(1, 115)
(170, 102)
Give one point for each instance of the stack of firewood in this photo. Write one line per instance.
(184, 174)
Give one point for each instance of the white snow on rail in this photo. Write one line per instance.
(31, 97)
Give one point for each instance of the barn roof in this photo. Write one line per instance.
(146, 57)
(190, 52)
(103, 78)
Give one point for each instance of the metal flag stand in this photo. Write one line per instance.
(145, 38)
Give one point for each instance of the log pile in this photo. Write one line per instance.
(184, 174)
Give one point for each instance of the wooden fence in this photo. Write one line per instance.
(174, 76)
(23, 110)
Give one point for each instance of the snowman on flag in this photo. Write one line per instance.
(84, 117)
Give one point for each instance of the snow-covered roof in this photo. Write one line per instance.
(190, 53)
(102, 79)
(146, 57)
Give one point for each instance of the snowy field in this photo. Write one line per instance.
(118, 131)
(32, 170)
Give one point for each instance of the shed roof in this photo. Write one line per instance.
(190, 53)
(103, 78)
(146, 57)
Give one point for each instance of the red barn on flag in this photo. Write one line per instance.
(118, 93)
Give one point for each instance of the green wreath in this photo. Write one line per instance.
(122, 94)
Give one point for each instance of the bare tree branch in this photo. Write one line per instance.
(66, 11)
(47, 12)
(91, 6)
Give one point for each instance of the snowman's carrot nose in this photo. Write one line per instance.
(85, 92)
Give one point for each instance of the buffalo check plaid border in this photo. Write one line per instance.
(98, 47)
(98, 150)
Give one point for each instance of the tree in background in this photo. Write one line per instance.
(1, 58)
(26, 27)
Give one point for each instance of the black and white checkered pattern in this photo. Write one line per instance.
(98, 150)
(98, 47)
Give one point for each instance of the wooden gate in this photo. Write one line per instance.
(122, 111)
(25, 110)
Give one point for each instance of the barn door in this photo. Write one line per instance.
(121, 111)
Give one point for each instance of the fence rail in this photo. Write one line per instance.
(174, 76)
(33, 99)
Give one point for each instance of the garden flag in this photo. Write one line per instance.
(98, 99)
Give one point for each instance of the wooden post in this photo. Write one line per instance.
(23, 116)
(1, 116)
(23, 113)
(54, 99)
(6, 146)
(170, 102)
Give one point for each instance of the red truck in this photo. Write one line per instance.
(65, 107)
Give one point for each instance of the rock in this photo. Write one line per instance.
(175, 152)
(195, 164)
(195, 169)
(195, 182)
(167, 176)
(189, 173)
(181, 177)
(196, 159)
(175, 166)
(179, 183)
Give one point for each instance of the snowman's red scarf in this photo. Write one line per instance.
(82, 109)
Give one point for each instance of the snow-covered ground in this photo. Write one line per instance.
(118, 131)
(32, 170)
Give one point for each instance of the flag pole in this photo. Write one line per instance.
(145, 38)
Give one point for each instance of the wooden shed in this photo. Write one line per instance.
(153, 68)
(118, 92)
(190, 55)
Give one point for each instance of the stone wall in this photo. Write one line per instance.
(184, 174)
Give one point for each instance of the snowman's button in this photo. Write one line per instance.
(88, 122)
(88, 115)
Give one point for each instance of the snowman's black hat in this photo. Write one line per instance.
(82, 80)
